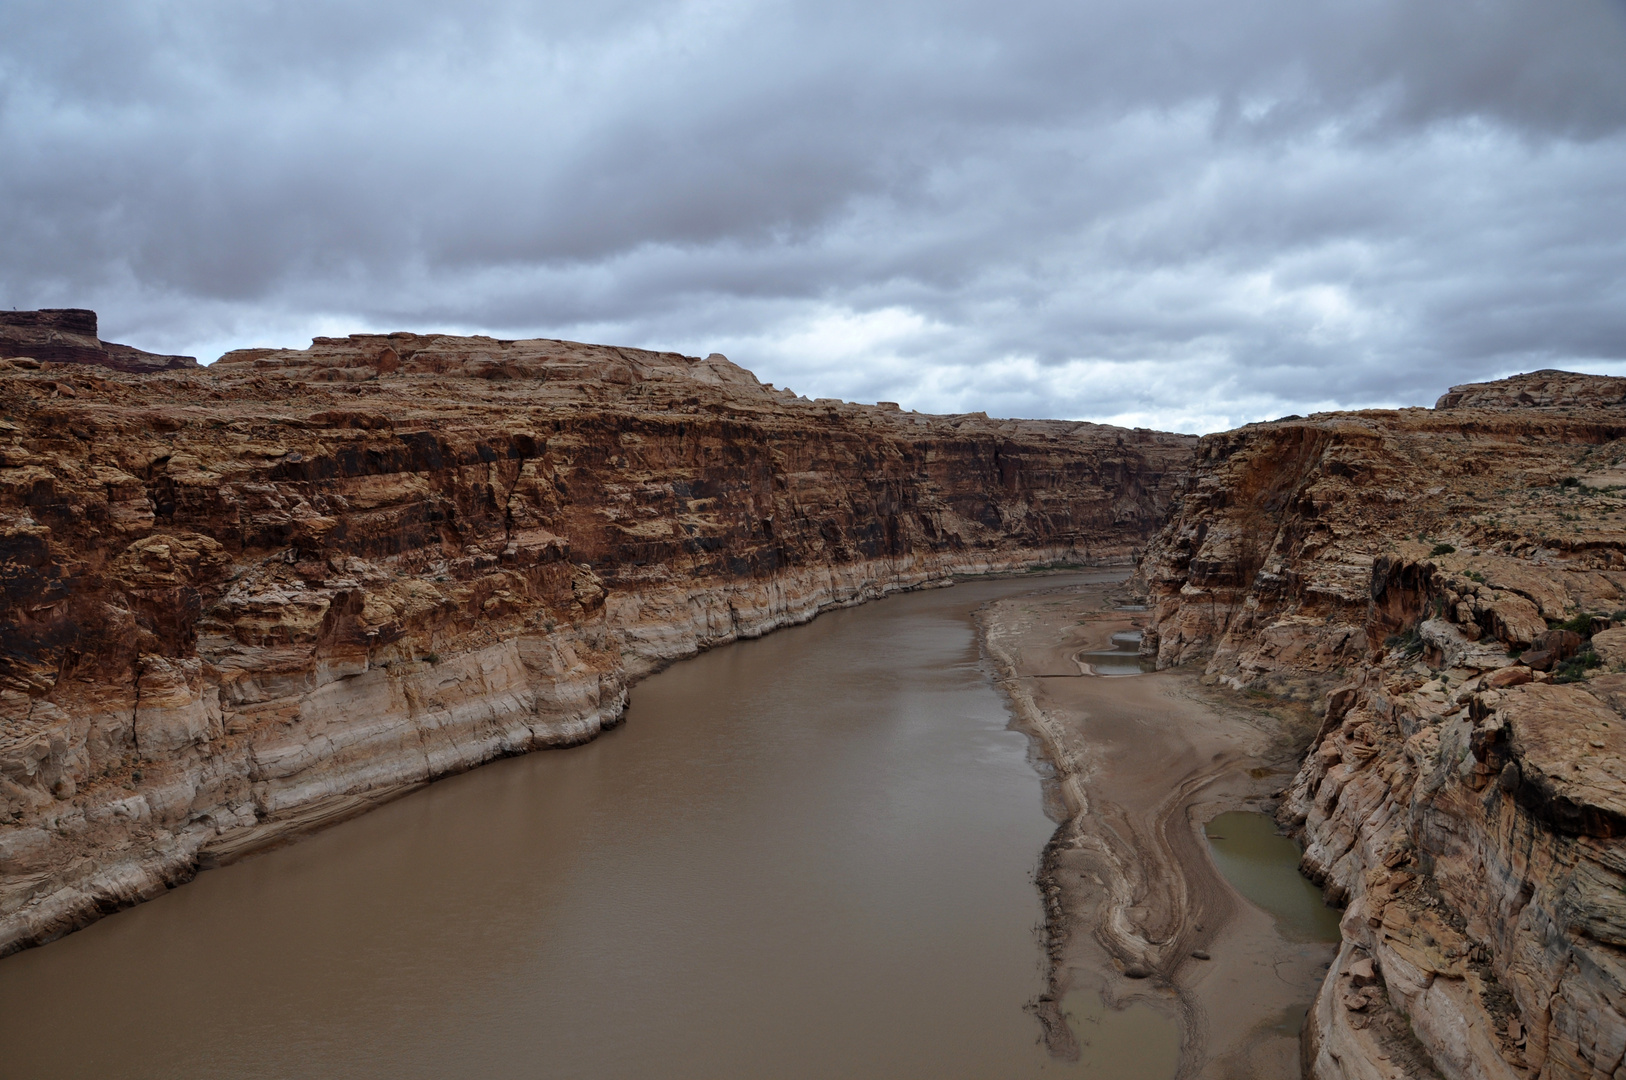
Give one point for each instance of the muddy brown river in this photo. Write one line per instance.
(809, 855)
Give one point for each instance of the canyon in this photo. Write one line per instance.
(247, 600)
(1443, 587)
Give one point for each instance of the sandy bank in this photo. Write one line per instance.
(1133, 900)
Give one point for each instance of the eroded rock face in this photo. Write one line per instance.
(1444, 582)
(245, 600)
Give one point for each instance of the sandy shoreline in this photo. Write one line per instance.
(1138, 764)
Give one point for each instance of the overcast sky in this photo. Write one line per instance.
(1184, 214)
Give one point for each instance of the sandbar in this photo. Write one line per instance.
(1136, 911)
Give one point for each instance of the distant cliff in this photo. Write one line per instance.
(244, 600)
(1444, 584)
(68, 336)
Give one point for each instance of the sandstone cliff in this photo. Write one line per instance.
(244, 600)
(68, 336)
(1444, 583)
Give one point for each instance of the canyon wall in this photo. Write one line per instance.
(1444, 584)
(245, 600)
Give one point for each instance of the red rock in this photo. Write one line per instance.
(1562, 644)
(1539, 659)
(1506, 677)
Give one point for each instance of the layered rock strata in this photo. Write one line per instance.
(245, 600)
(68, 336)
(1444, 584)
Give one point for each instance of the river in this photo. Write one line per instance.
(809, 855)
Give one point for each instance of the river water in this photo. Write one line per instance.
(809, 855)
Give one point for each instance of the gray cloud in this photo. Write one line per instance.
(1169, 212)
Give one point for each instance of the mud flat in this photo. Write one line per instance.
(1143, 930)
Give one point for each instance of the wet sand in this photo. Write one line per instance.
(1133, 899)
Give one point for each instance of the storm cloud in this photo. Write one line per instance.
(1173, 213)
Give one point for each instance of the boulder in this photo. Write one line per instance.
(1562, 644)
(1610, 645)
(1517, 675)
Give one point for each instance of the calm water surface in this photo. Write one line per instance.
(805, 856)
(1123, 658)
(1263, 865)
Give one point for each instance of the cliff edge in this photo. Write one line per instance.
(1449, 587)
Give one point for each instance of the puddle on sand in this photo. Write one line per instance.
(1122, 659)
(1263, 865)
(1117, 1044)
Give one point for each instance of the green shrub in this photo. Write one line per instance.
(1580, 623)
(1443, 549)
(1409, 643)
(1574, 669)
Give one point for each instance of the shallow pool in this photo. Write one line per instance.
(1122, 659)
(1263, 865)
